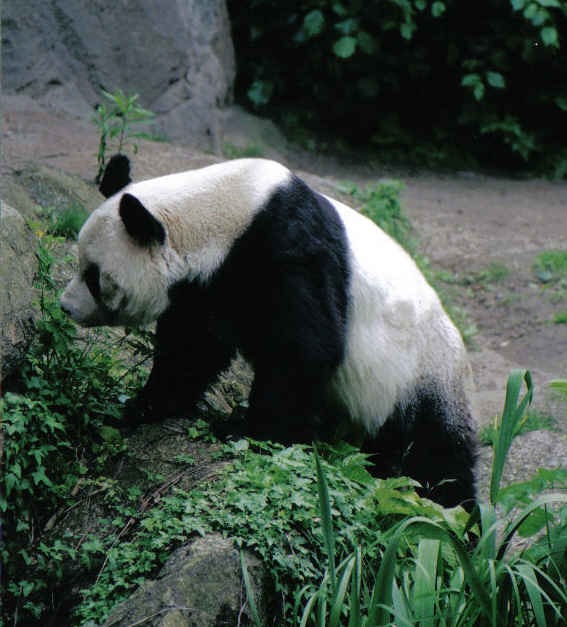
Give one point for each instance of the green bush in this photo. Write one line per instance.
(54, 436)
(422, 80)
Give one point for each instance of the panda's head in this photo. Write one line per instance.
(126, 264)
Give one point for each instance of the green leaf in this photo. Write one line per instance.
(425, 578)
(407, 30)
(339, 9)
(345, 47)
(550, 3)
(313, 23)
(437, 9)
(260, 92)
(495, 79)
(512, 414)
(530, 11)
(338, 602)
(534, 523)
(366, 42)
(39, 476)
(479, 91)
(470, 79)
(348, 26)
(10, 481)
(549, 36)
(518, 5)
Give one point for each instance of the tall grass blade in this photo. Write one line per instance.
(327, 523)
(517, 604)
(489, 524)
(355, 618)
(309, 608)
(493, 593)
(534, 591)
(249, 592)
(340, 593)
(512, 416)
(425, 581)
(559, 590)
(401, 608)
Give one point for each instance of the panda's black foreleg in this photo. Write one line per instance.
(174, 386)
(188, 357)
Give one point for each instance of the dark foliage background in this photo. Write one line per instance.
(420, 80)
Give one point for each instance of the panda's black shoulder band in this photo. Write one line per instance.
(139, 223)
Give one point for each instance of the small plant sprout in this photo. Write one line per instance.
(115, 120)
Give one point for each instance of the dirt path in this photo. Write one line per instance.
(484, 231)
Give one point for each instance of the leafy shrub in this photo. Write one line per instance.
(54, 436)
(423, 80)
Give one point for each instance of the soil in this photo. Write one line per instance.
(483, 231)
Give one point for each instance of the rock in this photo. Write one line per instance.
(200, 585)
(17, 269)
(178, 56)
(53, 189)
(16, 195)
(248, 135)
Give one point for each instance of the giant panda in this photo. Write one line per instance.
(336, 320)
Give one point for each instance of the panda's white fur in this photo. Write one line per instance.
(398, 332)
(398, 339)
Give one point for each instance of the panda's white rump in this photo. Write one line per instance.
(398, 333)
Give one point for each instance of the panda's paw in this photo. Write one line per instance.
(234, 426)
(138, 411)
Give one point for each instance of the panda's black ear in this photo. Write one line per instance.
(139, 222)
(116, 175)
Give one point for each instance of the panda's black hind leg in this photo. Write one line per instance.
(431, 440)
(284, 405)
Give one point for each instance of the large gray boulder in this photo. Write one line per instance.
(178, 56)
(201, 585)
(17, 269)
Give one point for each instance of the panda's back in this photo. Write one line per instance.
(208, 209)
(398, 333)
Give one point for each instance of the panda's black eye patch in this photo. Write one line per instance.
(91, 277)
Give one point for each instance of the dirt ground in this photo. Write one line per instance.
(466, 223)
